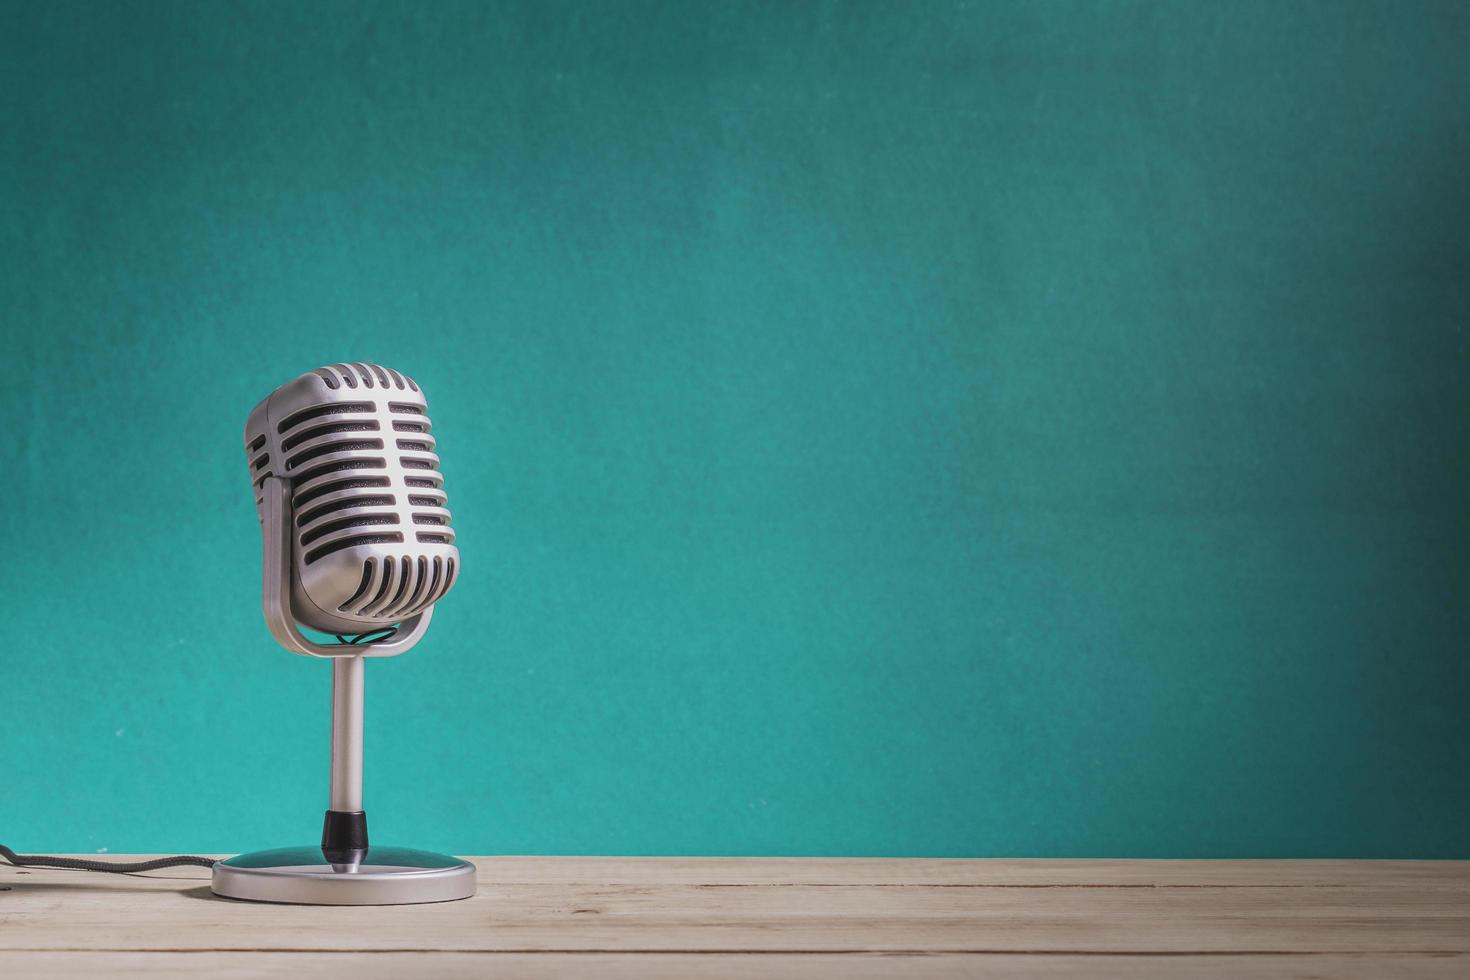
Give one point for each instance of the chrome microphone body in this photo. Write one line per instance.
(371, 542)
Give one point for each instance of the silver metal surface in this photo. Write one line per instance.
(386, 876)
(347, 683)
(365, 521)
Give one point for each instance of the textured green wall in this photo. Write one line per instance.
(948, 429)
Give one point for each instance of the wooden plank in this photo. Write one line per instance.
(594, 905)
(1036, 872)
(758, 966)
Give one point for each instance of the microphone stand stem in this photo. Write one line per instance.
(347, 683)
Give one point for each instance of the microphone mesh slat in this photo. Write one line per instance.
(346, 503)
(317, 432)
(306, 415)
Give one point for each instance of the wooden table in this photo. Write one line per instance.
(677, 917)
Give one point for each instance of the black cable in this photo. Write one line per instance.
(371, 636)
(82, 864)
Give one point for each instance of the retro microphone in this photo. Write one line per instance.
(357, 544)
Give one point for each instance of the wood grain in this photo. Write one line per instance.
(677, 966)
(736, 917)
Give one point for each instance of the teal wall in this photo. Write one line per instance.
(912, 429)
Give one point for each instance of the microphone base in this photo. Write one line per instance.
(378, 876)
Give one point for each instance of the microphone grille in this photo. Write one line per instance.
(372, 541)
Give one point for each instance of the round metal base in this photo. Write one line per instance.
(384, 876)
